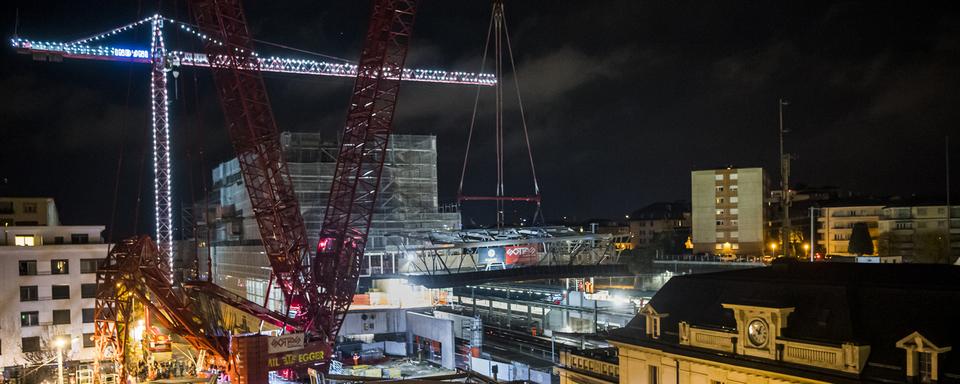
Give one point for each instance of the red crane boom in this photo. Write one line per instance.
(320, 298)
(256, 141)
(356, 180)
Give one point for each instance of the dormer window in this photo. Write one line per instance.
(922, 357)
(652, 321)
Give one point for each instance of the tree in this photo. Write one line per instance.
(931, 247)
(885, 244)
(860, 241)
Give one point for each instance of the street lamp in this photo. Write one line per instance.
(60, 342)
(773, 248)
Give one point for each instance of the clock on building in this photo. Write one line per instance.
(757, 332)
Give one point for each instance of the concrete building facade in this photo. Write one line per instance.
(28, 211)
(835, 224)
(920, 232)
(47, 287)
(915, 232)
(728, 211)
(655, 220)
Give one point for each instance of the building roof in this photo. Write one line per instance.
(669, 210)
(834, 303)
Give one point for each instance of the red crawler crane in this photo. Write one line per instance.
(320, 298)
(318, 290)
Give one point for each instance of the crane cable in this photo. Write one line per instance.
(121, 149)
(498, 21)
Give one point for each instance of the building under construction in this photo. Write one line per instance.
(408, 203)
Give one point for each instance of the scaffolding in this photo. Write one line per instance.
(407, 203)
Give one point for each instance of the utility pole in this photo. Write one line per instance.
(813, 231)
(949, 207)
(785, 230)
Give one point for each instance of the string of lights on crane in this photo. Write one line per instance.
(272, 64)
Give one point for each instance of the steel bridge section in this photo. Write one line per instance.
(454, 252)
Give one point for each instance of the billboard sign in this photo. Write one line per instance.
(491, 255)
(521, 254)
(286, 343)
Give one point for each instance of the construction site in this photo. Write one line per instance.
(330, 258)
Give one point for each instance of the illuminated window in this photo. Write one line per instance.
(719, 211)
(734, 188)
(733, 176)
(735, 245)
(719, 200)
(59, 267)
(24, 240)
(718, 177)
(719, 188)
(734, 199)
(734, 211)
(719, 246)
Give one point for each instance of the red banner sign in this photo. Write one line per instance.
(522, 254)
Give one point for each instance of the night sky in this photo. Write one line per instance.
(623, 98)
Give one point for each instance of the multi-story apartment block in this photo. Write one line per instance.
(728, 211)
(657, 219)
(47, 285)
(915, 231)
(835, 224)
(28, 211)
(919, 232)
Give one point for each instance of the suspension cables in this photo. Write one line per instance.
(498, 33)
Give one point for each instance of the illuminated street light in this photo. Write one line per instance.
(60, 342)
(806, 247)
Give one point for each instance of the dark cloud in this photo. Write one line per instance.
(623, 98)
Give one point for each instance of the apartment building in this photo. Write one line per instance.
(47, 284)
(655, 220)
(918, 232)
(915, 231)
(728, 211)
(835, 224)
